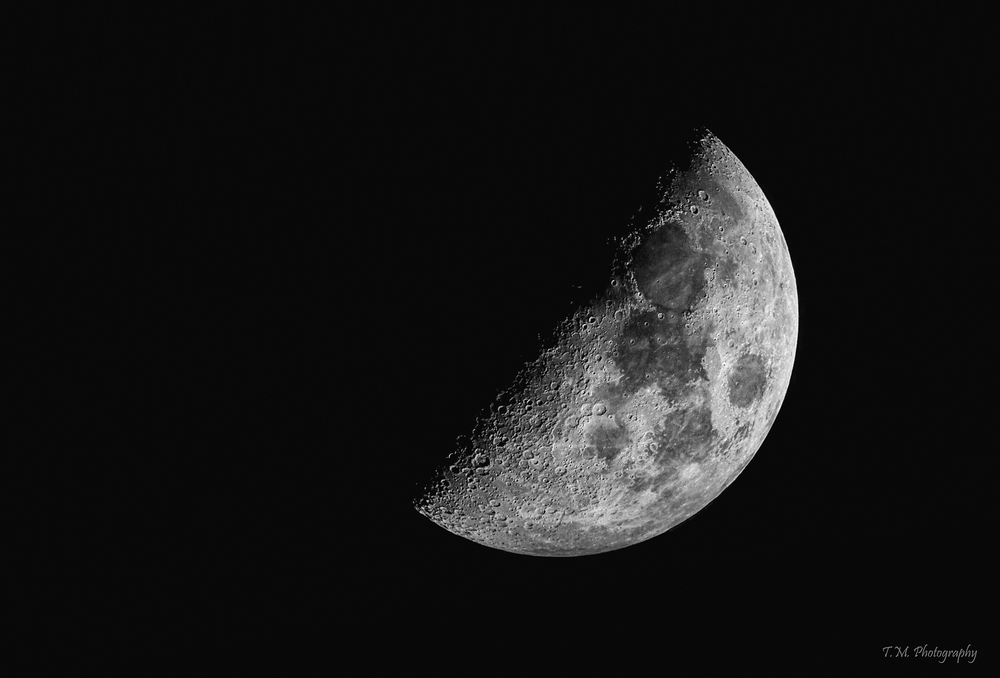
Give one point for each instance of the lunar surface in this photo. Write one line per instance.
(652, 398)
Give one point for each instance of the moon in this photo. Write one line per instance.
(652, 398)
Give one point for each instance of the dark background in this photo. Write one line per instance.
(849, 525)
(506, 179)
(304, 268)
(514, 177)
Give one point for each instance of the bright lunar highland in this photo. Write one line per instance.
(652, 398)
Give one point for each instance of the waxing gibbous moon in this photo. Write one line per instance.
(652, 398)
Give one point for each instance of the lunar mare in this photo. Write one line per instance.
(652, 399)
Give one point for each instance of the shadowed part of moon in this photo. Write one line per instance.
(650, 400)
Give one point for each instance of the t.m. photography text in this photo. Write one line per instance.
(894, 651)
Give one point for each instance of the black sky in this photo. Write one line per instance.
(354, 248)
(511, 179)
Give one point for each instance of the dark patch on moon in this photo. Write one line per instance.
(683, 433)
(747, 380)
(655, 350)
(720, 198)
(607, 440)
(668, 271)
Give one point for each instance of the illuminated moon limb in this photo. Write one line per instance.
(652, 399)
